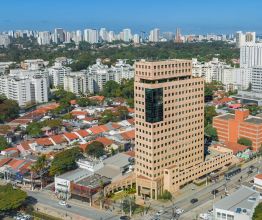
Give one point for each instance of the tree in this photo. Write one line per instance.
(122, 112)
(166, 195)
(211, 132)
(258, 212)
(209, 113)
(41, 165)
(65, 161)
(34, 129)
(83, 102)
(9, 109)
(3, 143)
(11, 198)
(245, 141)
(95, 149)
(111, 89)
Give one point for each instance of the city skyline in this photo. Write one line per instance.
(201, 16)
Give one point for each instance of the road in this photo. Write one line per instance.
(204, 195)
(83, 210)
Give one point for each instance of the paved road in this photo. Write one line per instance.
(204, 195)
(81, 210)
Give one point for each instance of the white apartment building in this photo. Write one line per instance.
(127, 35)
(4, 40)
(154, 35)
(122, 70)
(43, 38)
(76, 82)
(57, 74)
(256, 79)
(251, 55)
(25, 88)
(34, 64)
(242, 38)
(91, 36)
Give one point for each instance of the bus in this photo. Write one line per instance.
(232, 172)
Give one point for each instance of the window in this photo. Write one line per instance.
(154, 105)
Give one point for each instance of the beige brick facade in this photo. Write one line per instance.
(169, 112)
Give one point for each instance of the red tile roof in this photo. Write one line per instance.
(73, 102)
(130, 153)
(79, 113)
(97, 98)
(44, 141)
(15, 163)
(5, 161)
(99, 129)
(128, 135)
(259, 176)
(131, 110)
(84, 146)
(235, 147)
(115, 125)
(88, 119)
(25, 144)
(71, 136)
(105, 141)
(82, 133)
(10, 149)
(58, 139)
(224, 100)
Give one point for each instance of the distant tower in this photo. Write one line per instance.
(178, 38)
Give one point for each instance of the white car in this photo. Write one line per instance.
(63, 203)
(204, 216)
(179, 211)
(160, 212)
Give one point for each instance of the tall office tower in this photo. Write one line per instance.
(127, 35)
(59, 36)
(169, 111)
(154, 35)
(43, 38)
(178, 38)
(251, 55)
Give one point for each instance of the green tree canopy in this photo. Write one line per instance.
(211, 132)
(11, 198)
(209, 113)
(258, 212)
(3, 143)
(95, 149)
(34, 129)
(111, 89)
(245, 141)
(65, 161)
(166, 195)
(9, 109)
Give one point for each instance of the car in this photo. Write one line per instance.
(62, 203)
(204, 216)
(214, 191)
(250, 171)
(194, 200)
(160, 212)
(124, 217)
(179, 211)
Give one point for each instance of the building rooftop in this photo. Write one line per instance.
(118, 160)
(76, 175)
(241, 201)
(109, 171)
(254, 120)
(226, 116)
(93, 181)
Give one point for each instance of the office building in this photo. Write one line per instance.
(169, 110)
(256, 79)
(240, 205)
(136, 39)
(178, 38)
(231, 127)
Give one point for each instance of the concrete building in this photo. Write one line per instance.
(57, 74)
(122, 70)
(34, 64)
(136, 39)
(91, 36)
(256, 79)
(251, 55)
(240, 205)
(4, 40)
(242, 38)
(59, 35)
(127, 35)
(154, 35)
(43, 38)
(169, 110)
(76, 82)
(231, 127)
(25, 88)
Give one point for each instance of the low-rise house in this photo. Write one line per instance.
(258, 181)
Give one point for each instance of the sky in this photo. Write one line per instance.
(192, 16)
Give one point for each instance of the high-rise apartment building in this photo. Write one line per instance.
(154, 35)
(57, 74)
(251, 55)
(169, 111)
(4, 40)
(127, 35)
(43, 38)
(91, 36)
(59, 36)
(242, 38)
